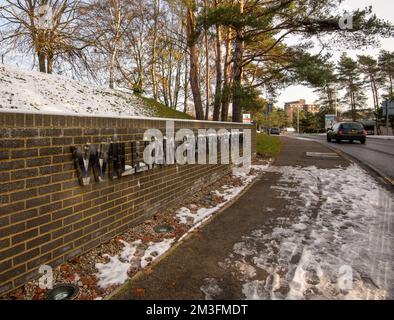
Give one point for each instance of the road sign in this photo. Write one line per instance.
(388, 110)
(388, 106)
(330, 120)
(246, 118)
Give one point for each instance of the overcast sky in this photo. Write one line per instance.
(384, 9)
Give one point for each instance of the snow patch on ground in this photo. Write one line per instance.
(244, 270)
(114, 272)
(155, 250)
(243, 249)
(335, 242)
(129, 249)
(253, 290)
(211, 288)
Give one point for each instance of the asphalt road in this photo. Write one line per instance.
(377, 153)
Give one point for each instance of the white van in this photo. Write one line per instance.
(289, 131)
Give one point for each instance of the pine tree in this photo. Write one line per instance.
(349, 77)
(369, 67)
(386, 65)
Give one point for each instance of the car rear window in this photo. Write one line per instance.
(356, 126)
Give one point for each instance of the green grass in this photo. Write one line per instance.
(162, 111)
(267, 146)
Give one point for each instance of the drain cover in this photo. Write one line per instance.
(63, 291)
(322, 155)
(164, 229)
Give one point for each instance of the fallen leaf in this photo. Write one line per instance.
(36, 297)
(139, 291)
(71, 278)
(146, 239)
(39, 290)
(88, 281)
(65, 268)
(148, 271)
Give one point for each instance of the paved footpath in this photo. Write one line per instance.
(259, 246)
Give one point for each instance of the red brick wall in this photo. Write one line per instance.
(46, 217)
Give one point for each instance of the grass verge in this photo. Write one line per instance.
(267, 146)
(163, 111)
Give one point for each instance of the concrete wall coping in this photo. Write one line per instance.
(115, 117)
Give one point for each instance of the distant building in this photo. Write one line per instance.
(291, 107)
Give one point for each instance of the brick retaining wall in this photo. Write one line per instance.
(47, 217)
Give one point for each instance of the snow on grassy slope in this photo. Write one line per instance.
(33, 91)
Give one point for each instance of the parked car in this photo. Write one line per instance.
(350, 131)
(275, 131)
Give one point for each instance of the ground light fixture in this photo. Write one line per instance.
(164, 228)
(63, 291)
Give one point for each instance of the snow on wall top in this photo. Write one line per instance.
(30, 91)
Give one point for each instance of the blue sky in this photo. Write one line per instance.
(384, 9)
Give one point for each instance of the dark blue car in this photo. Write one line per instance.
(350, 131)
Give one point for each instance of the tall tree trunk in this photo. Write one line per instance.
(163, 84)
(207, 76)
(112, 70)
(178, 79)
(139, 83)
(116, 40)
(41, 61)
(353, 103)
(330, 98)
(191, 37)
(186, 84)
(49, 63)
(39, 44)
(154, 42)
(375, 102)
(207, 67)
(238, 70)
(226, 81)
(169, 77)
(218, 88)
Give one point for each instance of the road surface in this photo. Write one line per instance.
(377, 153)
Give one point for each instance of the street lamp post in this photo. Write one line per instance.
(387, 117)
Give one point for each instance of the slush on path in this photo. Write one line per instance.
(308, 228)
